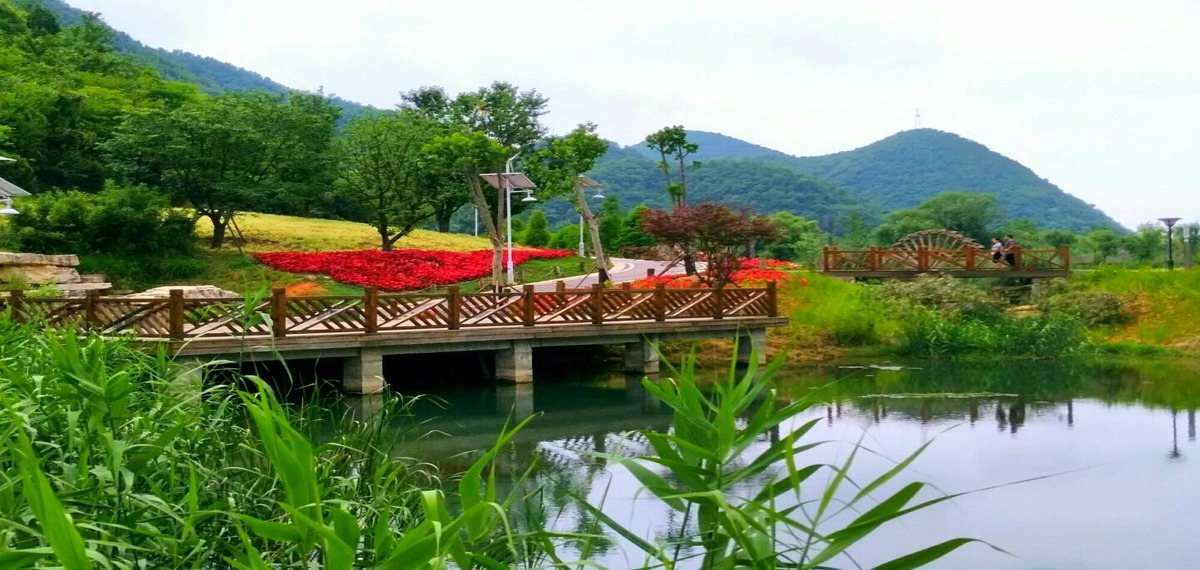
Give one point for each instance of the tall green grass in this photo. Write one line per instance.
(107, 462)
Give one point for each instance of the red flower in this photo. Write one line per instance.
(398, 270)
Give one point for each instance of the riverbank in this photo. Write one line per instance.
(1107, 311)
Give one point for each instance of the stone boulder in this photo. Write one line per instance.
(10, 258)
(189, 292)
(39, 274)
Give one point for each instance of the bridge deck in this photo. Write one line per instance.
(967, 262)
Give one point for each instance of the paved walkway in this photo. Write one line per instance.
(623, 270)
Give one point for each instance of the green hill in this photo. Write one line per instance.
(211, 75)
(906, 168)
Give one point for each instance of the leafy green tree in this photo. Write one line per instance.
(796, 239)
(537, 231)
(558, 168)
(1059, 238)
(565, 237)
(381, 169)
(633, 234)
(1105, 243)
(468, 154)
(673, 149)
(970, 214)
(1146, 244)
(611, 221)
(218, 156)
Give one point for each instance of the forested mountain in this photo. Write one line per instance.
(909, 167)
(211, 75)
(759, 184)
(716, 145)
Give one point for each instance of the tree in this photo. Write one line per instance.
(796, 238)
(1105, 243)
(1059, 238)
(558, 168)
(216, 155)
(537, 232)
(1146, 244)
(468, 154)
(673, 147)
(380, 163)
(633, 233)
(967, 213)
(714, 229)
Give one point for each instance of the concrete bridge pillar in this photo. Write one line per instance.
(641, 357)
(515, 399)
(363, 373)
(752, 344)
(636, 393)
(364, 407)
(515, 365)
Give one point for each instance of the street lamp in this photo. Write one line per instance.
(7, 191)
(511, 182)
(586, 182)
(1170, 223)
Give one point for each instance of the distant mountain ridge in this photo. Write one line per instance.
(213, 76)
(896, 172)
(911, 166)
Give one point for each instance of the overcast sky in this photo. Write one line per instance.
(1101, 97)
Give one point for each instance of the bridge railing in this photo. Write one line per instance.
(279, 315)
(933, 260)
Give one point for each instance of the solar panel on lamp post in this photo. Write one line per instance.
(1170, 223)
(511, 182)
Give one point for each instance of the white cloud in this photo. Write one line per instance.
(1098, 96)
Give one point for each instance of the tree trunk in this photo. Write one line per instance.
(689, 263)
(219, 223)
(385, 244)
(593, 225)
(489, 224)
(443, 223)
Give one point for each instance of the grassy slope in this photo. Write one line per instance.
(236, 271)
(830, 317)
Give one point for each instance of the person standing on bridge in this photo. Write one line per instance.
(1010, 250)
(997, 251)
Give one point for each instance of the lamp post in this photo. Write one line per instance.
(510, 182)
(586, 182)
(1170, 223)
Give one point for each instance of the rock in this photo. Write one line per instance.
(82, 289)
(39, 274)
(189, 292)
(93, 278)
(9, 258)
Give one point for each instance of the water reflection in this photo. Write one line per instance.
(1102, 425)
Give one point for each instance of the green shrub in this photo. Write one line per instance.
(1091, 307)
(949, 297)
(928, 334)
(118, 220)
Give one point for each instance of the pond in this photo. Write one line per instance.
(1085, 465)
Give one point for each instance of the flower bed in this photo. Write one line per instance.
(398, 270)
(742, 278)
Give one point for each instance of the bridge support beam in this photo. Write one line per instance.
(752, 344)
(515, 365)
(641, 357)
(515, 399)
(363, 373)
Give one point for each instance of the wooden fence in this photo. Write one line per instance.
(941, 260)
(279, 316)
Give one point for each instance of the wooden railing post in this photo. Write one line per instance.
(719, 303)
(969, 252)
(529, 314)
(560, 286)
(922, 259)
(649, 272)
(175, 314)
(455, 308)
(16, 305)
(597, 304)
(1017, 258)
(371, 309)
(772, 299)
(874, 259)
(279, 312)
(1065, 251)
(660, 302)
(825, 255)
(89, 309)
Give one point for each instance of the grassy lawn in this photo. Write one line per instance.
(1166, 304)
(237, 271)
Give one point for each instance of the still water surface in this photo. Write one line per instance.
(1118, 442)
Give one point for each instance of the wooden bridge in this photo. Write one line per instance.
(364, 329)
(968, 261)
